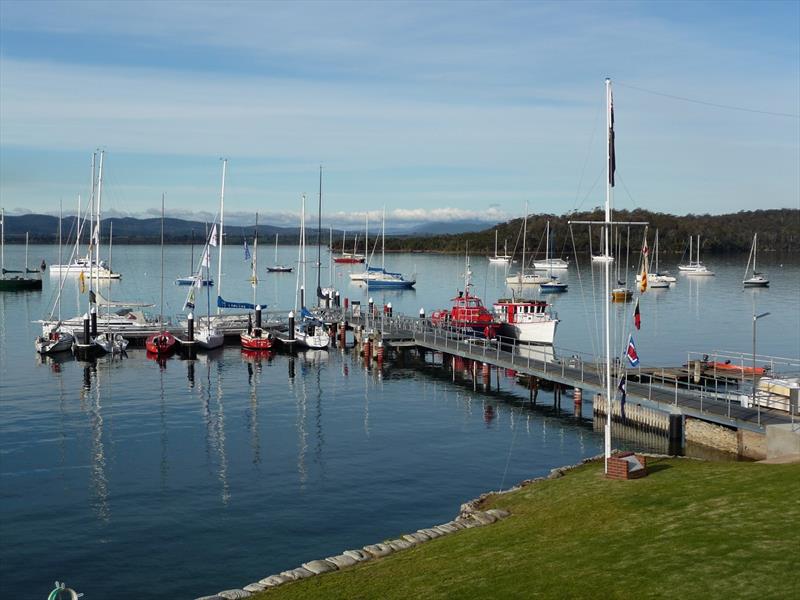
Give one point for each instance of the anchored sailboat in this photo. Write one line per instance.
(503, 258)
(756, 279)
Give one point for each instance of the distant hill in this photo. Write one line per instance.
(778, 230)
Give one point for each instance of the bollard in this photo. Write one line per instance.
(389, 309)
(258, 316)
(379, 351)
(291, 325)
(346, 304)
(86, 328)
(190, 327)
(342, 334)
(371, 307)
(421, 313)
(337, 300)
(577, 398)
(93, 314)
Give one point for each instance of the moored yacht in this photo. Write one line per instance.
(526, 320)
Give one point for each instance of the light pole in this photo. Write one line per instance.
(756, 318)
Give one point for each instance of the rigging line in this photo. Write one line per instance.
(510, 448)
(588, 152)
(583, 296)
(627, 191)
(712, 104)
(600, 174)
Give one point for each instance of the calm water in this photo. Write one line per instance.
(127, 480)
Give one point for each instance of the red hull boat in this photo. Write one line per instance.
(348, 260)
(468, 313)
(257, 340)
(161, 344)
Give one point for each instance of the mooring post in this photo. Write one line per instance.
(258, 316)
(291, 328)
(190, 327)
(577, 398)
(86, 330)
(93, 313)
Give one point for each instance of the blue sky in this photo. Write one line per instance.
(439, 110)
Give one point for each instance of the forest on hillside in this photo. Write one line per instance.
(778, 231)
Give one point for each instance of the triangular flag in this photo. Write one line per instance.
(643, 282)
(637, 318)
(206, 258)
(623, 394)
(213, 239)
(82, 282)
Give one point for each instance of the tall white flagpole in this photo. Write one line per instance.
(609, 150)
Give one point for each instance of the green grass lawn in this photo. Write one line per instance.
(690, 529)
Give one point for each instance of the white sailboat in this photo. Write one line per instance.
(756, 279)
(277, 267)
(380, 278)
(85, 264)
(502, 259)
(206, 335)
(309, 332)
(601, 258)
(697, 269)
(548, 264)
(56, 340)
(522, 278)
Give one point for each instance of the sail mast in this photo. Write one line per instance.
(161, 308)
(319, 237)
(221, 232)
(60, 274)
(610, 167)
(3, 241)
(524, 240)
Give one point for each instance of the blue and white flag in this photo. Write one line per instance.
(633, 357)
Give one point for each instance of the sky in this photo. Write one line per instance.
(438, 111)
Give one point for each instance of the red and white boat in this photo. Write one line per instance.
(161, 344)
(468, 314)
(257, 339)
(349, 258)
(527, 321)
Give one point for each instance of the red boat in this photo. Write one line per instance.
(161, 344)
(257, 339)
(468, 313)
(348, 259)
(733, 368)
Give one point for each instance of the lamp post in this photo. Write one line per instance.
(756, 318)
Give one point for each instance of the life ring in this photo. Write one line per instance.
(61, 587)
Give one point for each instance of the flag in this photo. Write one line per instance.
(643, 282)
(92, 297)
(633, 357)
(645, 249)
(82, 282)
(246, 251)
(206, 258)
(213, 239)
(637, 318)
(612, 160)
(189, 300)
(198, 280)
(96, 234)
(621, 388)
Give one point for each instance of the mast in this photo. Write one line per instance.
(254, 265)
(319, 237)
(221, 232)
(3, 241)
(495, 243)
(383, 239)
(276, 249)
(191, 260)
(755, 250)
(344, 237)
(60, 274)
(26, 254)
(691, 239)
(524, 240)
(366, 239)
(96, 239)
(303, 251)
(610, 168)
(161, 309)
(656, 251)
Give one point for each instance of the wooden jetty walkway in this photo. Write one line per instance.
(712, 397)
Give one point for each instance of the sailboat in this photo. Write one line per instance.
(309, 331)
(206, 335)
(112, 343)
(20, 280)
(278, 268)
(756, 279)
(55, 340)
(193, 279)
(696, 269)
(502, 259)
(364, 275)
(380, 278)
(346, 257)
(255, 338)
(522, 278)
(553, 285)
(601, 258)
(548, 264)
(163, 343)
(81, 264)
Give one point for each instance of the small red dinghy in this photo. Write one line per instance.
(161, 344)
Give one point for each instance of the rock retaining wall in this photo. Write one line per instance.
(470, 515)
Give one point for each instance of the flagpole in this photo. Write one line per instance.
(221, 232)
(609, 182)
